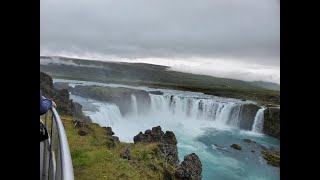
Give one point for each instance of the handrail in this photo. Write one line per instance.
(57, 165)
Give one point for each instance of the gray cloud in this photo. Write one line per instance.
(246, 30)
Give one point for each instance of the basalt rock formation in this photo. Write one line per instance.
(190, 168)
(271, 124)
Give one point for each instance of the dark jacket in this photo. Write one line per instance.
(45, 104)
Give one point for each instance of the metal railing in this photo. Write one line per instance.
(57, 163)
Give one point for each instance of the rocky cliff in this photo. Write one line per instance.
(271, 124)
(247, 114)
(65, 106)
(190, 168)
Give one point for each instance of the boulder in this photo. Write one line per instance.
(190, 168)
(126, 153)
(249, 141)
(236, 146)
(272, 157)
(167, 143)
(109, 131)
(150, 136)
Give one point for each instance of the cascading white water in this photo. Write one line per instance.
(107, 114)
(158, 103)
(235, 116)
(226, 113)
(258, 121)
(134, 105)
(180, 108)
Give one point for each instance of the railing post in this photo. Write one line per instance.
(45, 165)
(52, 160)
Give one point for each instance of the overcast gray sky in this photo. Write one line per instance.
(226, 38)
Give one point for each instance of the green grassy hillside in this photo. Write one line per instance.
(93, 159)
(156, 76)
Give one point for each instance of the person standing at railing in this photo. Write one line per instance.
(45, 104)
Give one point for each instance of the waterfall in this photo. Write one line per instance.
(258, 122)
(234, 119)
(134, 105)
(226, 113)
(158, 103)
(107, 114)
(176, 108)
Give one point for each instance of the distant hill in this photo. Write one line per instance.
(153, 76)
(267, 85)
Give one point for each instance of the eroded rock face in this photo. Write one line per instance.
(247, 114)
(190, 168)
(150, 136)
(167, 147)
(109, 131)
(271, 125)
(65, 106)
(169, 138)
(112, 140)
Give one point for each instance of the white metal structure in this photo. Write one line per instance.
(55, 158)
